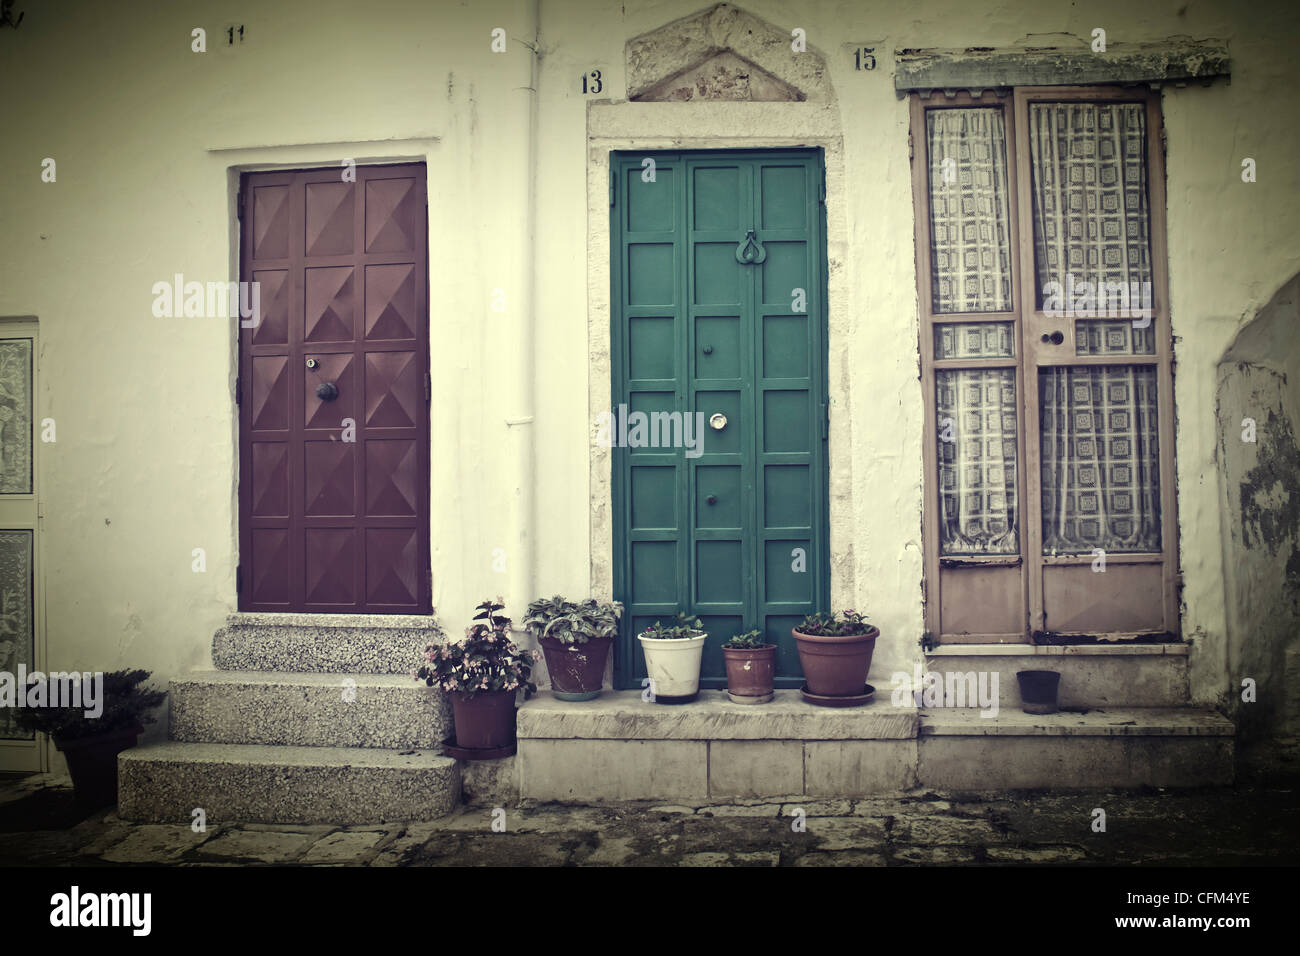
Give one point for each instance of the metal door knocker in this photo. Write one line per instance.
(750, 251)
(327, 391)
(717, 421)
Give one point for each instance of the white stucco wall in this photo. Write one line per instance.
(145, 134)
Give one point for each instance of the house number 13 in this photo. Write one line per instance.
(595, 86)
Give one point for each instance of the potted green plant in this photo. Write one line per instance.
(576, 637)
(835, 652)
(672, 659)
(91, 742)
(483, 673)
(751, 667)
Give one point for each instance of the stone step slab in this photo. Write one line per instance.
(378, 711)
(249, 783)
(959, 749)
(324, 643)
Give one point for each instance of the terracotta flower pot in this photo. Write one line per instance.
(836, 666)
(92, 764)
(484, 721)
(750, 671)
(577, 670)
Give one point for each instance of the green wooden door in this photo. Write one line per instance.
(718, 319)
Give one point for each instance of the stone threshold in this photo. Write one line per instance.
(274, 619)
(1059, 650)
(1095, 722)
(623, 715)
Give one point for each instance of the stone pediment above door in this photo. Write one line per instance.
(723, 54)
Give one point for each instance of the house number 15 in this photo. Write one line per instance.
(865, 58)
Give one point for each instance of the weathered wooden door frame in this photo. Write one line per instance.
(238, 176)
(1028, 322)
(29, 755)
(626, 646)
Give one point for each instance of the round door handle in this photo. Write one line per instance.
(717, 421)
(712, 499)
(708, 350)
(327, 391)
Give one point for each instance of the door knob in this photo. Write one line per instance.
(717, 421)
(327, 391)
(712, 499)
(708, 350)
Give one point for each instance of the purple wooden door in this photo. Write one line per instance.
(333, 392)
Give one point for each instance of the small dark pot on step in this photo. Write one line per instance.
(484, 721)
(577, 670)
(1038, 691)
(92, 764)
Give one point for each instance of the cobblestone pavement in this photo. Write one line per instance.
(1254, 824)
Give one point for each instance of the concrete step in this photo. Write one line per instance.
(961, 749)
(382, 711)
(324, 643)
(166, 782)
(1119, 675)
(618, 747)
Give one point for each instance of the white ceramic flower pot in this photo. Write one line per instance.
(674, 666)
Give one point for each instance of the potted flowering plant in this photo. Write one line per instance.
(751, 666)
(835, 652)
(91, 742)
(576, 638)
(672, 659)
(483, 673)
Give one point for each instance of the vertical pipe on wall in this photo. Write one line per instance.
(523, 525)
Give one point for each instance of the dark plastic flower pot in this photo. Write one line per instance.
(1039, 691)
(836, 666)
(749, 673)
(92, 764)
(484, 721)
(577, 670)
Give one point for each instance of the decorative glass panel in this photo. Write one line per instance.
(1112, 338)
(1101, 464)
(16, 416)
(965, 340)
(977, 461)
(970, 237)
(1090, 212)
(17, 635)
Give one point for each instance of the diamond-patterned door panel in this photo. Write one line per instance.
(331, 369)
(390, 301)
(391, 215)
(330, 305)
(334, 420)
(394, 389)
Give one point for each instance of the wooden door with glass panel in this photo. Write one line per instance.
(1046, 352)
(20, 609)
